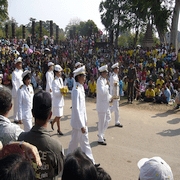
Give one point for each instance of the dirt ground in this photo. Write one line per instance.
(148, 130)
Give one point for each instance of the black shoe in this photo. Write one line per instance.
(102, 143)
(52, 125)
(97, 165)
(60, 133)
(16, 122)
(119, 125)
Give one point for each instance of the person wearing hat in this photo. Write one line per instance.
(131, 76)
(79, 134)
(78, 65)
(102, 103)
(25, 97)
(49, 77)
(50, 149)
(16, 83)
(57, 98)
(154, 168)
(114, 91)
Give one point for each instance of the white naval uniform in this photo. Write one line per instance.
(49, 80)
(78, 121)
(16, 83)
(115, 104)
(25, 100)
(57, 98)
(102, 107)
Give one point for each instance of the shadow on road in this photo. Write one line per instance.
(94, 144)
(66, 117)
(170, 132)
(174, 121)
(165, 114)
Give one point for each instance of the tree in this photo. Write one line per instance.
(125, 15)
(3, 10)
(174, 27)
(83, 28)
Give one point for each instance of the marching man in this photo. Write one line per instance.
(114, 91)
(79, 134)
(102, 104)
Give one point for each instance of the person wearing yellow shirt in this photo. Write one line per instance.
(92, 87)
(160, 80)
(149, 94)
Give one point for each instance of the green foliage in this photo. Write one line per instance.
(3, 11)
(125, 15)
(83, 28)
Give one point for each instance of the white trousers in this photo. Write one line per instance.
(15, 113)
(27, 124)
(104, 119)
(115, 108)
(77, 137)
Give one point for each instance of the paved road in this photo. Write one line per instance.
(145, 134)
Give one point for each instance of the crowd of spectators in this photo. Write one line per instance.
(156, 67)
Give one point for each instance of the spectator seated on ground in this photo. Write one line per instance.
(158, 92)
(78, 166)
(160, 80)
(166, 95)
(137, 90)
(177, 99)
(149, 94)
(154, 169)
(92, 87)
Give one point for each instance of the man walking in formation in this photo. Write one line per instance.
(79, 134)
(114, 91)
(102, 104)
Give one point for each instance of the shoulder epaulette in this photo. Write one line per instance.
(20, 86)
(30, 84)
(77, 87)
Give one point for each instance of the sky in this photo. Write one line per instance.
(60, 12)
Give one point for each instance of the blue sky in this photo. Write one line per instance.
(60, 11)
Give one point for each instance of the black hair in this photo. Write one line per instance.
(76, 77)
(78, 166)
(15, 167)
(42, 104)
(27, 76)
(5, 100)
(102, 174)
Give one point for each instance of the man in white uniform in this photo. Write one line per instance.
(49, 77)
(79, 133)
(25, 100)
(16, 83)
(102, 103)
(114, 91)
